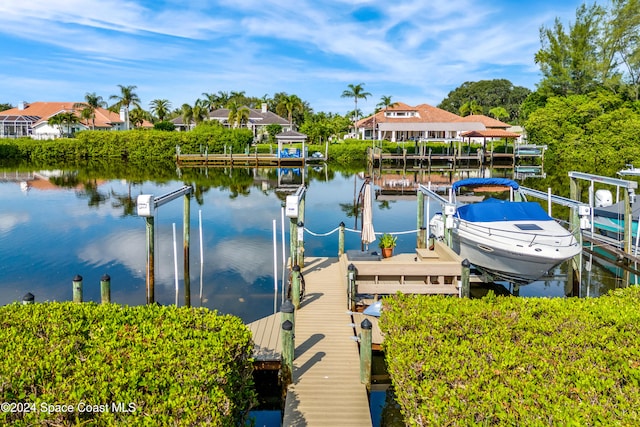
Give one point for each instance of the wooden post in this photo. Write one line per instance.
(293, 242)
(351, 287)
(150, 260)
(422, 238)
(300, 244)
(288, 345)
(105, 289)
(573, 275)
(77, 288)
(186, 231)
(28, 298)
(288, 312)
(365, 353)
(420, 220)
(295, 286)
(341, 239)
(301, 205)
(465, 290)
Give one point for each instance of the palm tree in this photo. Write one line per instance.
(160, 107)
(125, 99)
(470, 107)
(234, 113)
(138, 116)
(56, 121)
(385, 102)
(195, 114)
(210, 100)
(290, 104)
(187, 115)
(67, 118)
(89, 106)
(356, 92)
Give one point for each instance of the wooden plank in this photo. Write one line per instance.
(392, 288)
(266, 338)
(326, 388)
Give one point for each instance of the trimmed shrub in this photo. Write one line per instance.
(111, 365)
(515, 361)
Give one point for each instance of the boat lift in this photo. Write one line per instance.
(146, 207)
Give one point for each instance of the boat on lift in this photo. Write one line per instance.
(513, 240)
(629, 171)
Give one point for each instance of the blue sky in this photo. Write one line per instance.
(415, 51)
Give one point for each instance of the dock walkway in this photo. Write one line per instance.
(326, 388)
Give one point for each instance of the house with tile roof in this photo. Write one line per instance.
(259, 119)
(402, 122)
(32, 120)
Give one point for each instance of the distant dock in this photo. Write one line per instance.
(243, 160)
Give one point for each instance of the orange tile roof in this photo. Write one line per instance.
(425, 114)
(490, 133)
(488, 122)
(104, 118)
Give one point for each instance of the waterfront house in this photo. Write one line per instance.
(32, 120)
(257, 122)
(402, 122)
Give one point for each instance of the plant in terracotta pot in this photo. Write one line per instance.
(387, 243)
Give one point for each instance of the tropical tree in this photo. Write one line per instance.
(496, 92)
(356, 92)
(124, 100)
(138, 116)
(470, 107)
(210, 101)
(499, 113)
(575, 61)
(289, 104)
(385, 102)
(160, 108)
(89, 106)
(56, 121)
(238, 114)
(67, 118)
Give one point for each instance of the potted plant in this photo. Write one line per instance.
(387, 243)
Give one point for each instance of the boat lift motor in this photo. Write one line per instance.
(584, 211)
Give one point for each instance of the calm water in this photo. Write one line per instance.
(49, 233)
(70, 224)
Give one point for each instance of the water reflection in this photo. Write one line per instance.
(82, 221)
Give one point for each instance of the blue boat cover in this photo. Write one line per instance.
(502, 210)
(485, 181)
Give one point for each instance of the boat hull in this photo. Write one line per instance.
(505, 252)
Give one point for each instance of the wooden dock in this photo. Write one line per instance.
(244, 160)
(326, 388)
(267, 349)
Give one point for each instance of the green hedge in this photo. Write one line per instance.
(515, 361)
(130, 145)
(165, 365)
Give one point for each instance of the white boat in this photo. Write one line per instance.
(511, 240)
(629, 171)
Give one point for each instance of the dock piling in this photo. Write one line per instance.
(288, 345)
(365, 353)
(341, 239)
(28, 298)
(465, 291)
(77, 288)
(351, 287)
(295, 286)
(105, 289)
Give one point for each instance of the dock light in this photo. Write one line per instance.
(352, 272)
